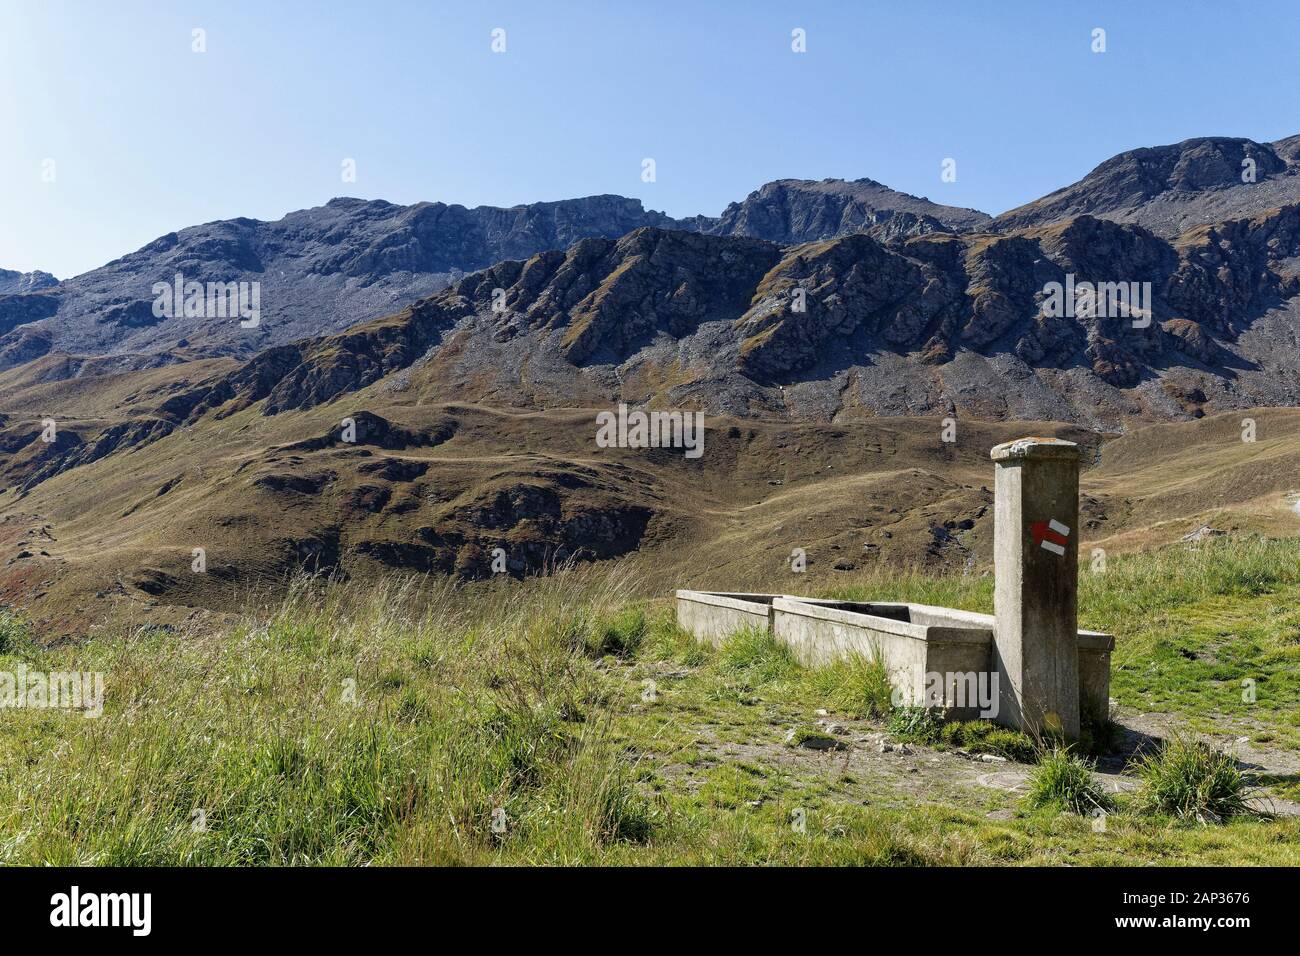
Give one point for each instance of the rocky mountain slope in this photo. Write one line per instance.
(320, 270)
(1169, 189)
(935, 324)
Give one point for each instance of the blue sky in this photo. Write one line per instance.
(148, 136)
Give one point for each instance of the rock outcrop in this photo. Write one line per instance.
(12, 282)
(799, 210)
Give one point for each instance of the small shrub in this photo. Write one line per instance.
(915, 724)
(1063, 780)
(1191, 780)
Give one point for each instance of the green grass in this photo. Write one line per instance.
(397, 730)
(856, 687)
(753, 657)
(565, 720)
(1208, 631)
(921, 726)
(620, 634)
(981, 736)
(804, 733)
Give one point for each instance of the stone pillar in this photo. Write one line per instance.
(1036, 563)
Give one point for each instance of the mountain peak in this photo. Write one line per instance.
(803, 210)
(1171, 188)
(20, 283)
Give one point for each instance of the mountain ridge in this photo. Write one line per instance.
(327, 267)
(322, 269)
(937, 323)
(914, 307)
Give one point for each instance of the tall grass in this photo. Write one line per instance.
(855, 687)
(1141, 585)
(14, 631)
(973, 592)
(418, 722)
(395, 725)
(756, 656)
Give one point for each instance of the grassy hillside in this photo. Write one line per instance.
(114, 536)
(560, 721)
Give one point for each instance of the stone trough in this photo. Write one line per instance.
(1027, 665)
(912, 640)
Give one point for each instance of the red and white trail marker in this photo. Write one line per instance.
(1050, 535)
